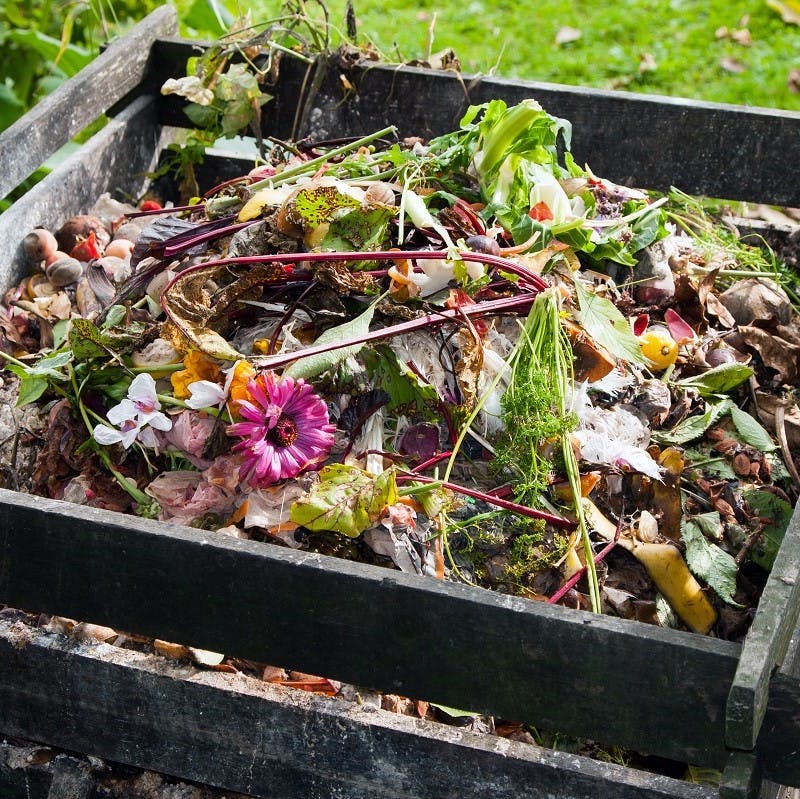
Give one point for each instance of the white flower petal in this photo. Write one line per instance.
(124, 412)
(103, 434)
(147, 438)
(160, 421)
(142, 391)
(129, 436)
(205, 394)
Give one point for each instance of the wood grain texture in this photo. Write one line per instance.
(244, 735)
(741, 778)
(731, 152)
(779, 739)
(114, 160)
(27, 144)
(655, 690)
(766, 644)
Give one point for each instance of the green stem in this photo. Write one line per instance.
(168, 399)
(418, 489)
(166, 367)
(306, 166)
(14, 360)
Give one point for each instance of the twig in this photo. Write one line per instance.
(780, 432)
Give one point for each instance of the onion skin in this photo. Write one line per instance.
(39, 245)
(120, 248)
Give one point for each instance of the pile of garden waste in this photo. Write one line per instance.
(468, 358)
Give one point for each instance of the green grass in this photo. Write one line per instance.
(513, 39)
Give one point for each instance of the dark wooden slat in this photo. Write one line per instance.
(243, 735)
(116, 158)
(732, 152)
(779, 740)
(766, 644)
(778, 746)
(651, 689)
(741, 778)
(79, 101)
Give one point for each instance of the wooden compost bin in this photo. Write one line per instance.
(660, 691)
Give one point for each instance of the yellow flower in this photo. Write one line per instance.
(243, 372)
(197, 366)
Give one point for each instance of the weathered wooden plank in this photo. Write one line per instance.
(779, 741)
(26, 144)
(655, 690)
(116, 158)
(20, 776)
(733, 152)
(244, 735)
(741, 778)
(766, 643)
(778, 744)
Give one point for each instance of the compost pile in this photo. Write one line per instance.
(468, 358)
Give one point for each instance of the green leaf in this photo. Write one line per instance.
(89, 341)
(710, 523)
(60, 331)
(776, 514)
(647, 229)
(407, 393)
(359, 229)
(604, 323)
(751, 432)
(73, 58)
(455, 713)
(30, 389)
(709, 562)
(346, 500)
(693, 427)
(208, 16)
(11, 107)
(316, 364)
(718, 380)
(50, 365)
(203, 116)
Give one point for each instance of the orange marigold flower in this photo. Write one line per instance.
(197, 366)
(243, 372)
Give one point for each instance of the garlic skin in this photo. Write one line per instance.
(157, 353)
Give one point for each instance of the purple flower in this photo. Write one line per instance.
(286, 431)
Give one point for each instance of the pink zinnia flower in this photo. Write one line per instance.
(286, 431)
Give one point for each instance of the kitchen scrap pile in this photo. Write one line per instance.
(468, 358)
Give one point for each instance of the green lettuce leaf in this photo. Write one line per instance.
(606, 325)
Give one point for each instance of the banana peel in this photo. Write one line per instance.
(667, 569)
(671, 575)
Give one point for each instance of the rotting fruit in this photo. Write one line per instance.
(658, 347)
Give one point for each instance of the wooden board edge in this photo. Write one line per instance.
(398, 633)
(766, 644)
(244, 735)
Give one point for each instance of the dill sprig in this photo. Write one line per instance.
(537, 418)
